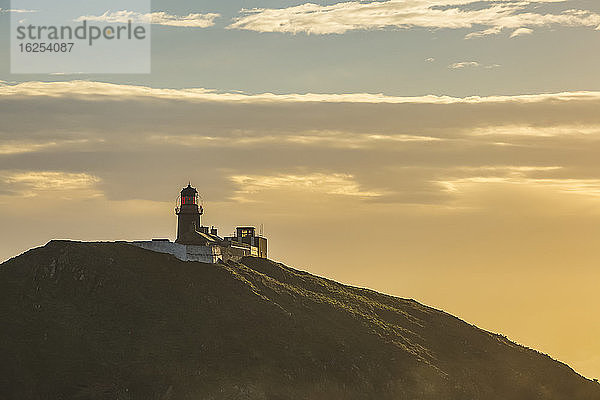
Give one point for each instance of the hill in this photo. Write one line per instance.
(113, 321)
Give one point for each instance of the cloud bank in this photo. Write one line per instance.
(99, 90)
(379, 148)
(192, 20)
(339, 18)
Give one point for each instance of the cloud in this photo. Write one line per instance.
(330, 184)
(16, 11)
(90, 90)
(342, 17)
(586, 187)
(31, 183)
(464, 64)
(17, 147)
(28, 146)
(334, 139)
(486, 32)
(521, 32)
(472, 64)
(192, 20)
(538, 131)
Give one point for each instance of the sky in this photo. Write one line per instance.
(441, 150)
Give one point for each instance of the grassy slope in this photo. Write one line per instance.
(112, 321)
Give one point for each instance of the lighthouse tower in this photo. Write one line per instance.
(188, 213)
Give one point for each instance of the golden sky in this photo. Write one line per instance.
(485, 207)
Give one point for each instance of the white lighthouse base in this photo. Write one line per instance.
(184, 252)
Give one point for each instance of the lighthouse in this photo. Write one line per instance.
(188, 214)
(199, 243)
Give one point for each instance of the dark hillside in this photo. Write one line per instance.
(112, 321)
